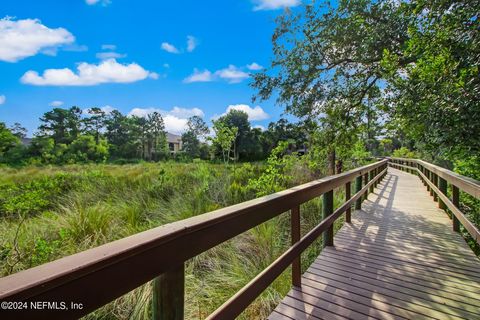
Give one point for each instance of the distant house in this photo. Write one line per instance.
(26, 141)
(174, 142)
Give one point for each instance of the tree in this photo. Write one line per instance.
(224, 138)
(18, 130)
(415, 60)
(85, 148)
(63, 125)
(237, 119)
(157, 139)
(8, 141)
(95, 122)
(196, 129)
(198, 126)
(123, 135)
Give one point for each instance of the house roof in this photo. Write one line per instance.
(173, 138)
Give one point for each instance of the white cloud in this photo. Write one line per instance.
(24, 38)
(109, 47)
(259, 127)
(3, 99)
(102, 2)
(254, 114)
(192, 43)
(56, 103)
(169, 47)
(254, 66)
(110, 55)
(186, 113)
(199, 76)
(232, 74)
(274, 4)
(166, 65)
(107, 71)
(175, 119)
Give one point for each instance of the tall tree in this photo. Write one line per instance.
(237, 119)
(62, 125)
(95, 122)
(196, 129)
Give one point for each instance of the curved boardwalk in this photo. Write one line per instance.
(398, 259)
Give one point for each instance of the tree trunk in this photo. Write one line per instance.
(339, 166)
(331, 162)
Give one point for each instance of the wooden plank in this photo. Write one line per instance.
(398, 258)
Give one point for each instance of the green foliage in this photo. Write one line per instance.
(403, 152)
(225, 137)
(273, 178)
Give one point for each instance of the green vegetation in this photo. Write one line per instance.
(50, 212)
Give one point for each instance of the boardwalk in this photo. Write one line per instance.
(399, 259)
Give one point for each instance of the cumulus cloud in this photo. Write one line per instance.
(56, 103)
(25, 38)
(107, 71)
(110, 55)
(3, 99)
(169, 47)
(192, 43)
(199, 76)
(274, 4)
(175, 120)
(232, 74)
(254, 114)
(254, 66)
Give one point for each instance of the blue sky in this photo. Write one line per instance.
(180, 57)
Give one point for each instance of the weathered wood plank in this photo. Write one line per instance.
(398, 258)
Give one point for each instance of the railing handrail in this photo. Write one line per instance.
(436, 179)
(467, 184)
(155, 251)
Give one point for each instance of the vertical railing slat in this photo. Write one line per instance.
(348, 195)
(295, 229)
(168, 295)
(327, 210)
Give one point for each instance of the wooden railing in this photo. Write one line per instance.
(437, 179)
(92, 278)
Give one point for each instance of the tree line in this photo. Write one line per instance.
(73, 135)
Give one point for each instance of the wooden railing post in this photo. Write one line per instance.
(295, 229)
(348, 195)
(168, 295)
(435, 182)
(365, 181)
(327, 209)
(430, 177)
(442, 185)
(358, 187)
(456, 203)
(371, 176)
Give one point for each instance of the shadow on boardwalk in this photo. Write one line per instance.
(398, 259)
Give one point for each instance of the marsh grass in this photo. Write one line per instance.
(86, 206)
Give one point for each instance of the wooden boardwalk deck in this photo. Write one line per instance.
(398, 259)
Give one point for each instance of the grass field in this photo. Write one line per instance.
(50, 212)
